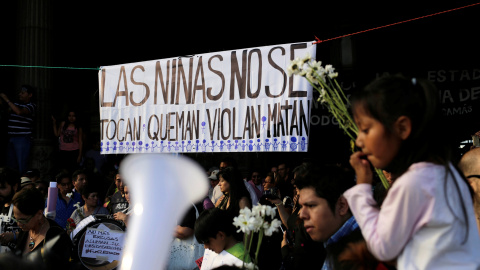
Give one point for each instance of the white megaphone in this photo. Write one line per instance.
(162, 187)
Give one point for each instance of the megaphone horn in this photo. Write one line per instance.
(162, 188)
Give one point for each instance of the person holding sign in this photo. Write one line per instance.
(36, 229)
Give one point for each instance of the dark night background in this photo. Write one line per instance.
(90, 34)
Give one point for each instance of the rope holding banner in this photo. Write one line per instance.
(409, 20)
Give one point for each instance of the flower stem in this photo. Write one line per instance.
(259, 243)
(382, 178)
(337, 104)
(247, 250)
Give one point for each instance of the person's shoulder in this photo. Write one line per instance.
(424, 170)
(117, 197)
(55, 230)
(54, 227)
(422, 176)
(216, 189)
(30, 106)
(117, 194)
(103, 211)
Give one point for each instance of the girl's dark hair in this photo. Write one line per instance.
(29, 201)
(211, 221)
(76, 123)
(237, 187)
(386, 99)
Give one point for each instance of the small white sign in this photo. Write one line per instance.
(103, 244)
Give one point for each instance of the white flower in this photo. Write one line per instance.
(264, 210)
(311, 75)
(247, 221)
(257, 223)
(250, 266)
(318, 69)
(302, 61)
(306, 58)
(322, 93)
(246, 212)
(331, 71)
(69, 195)
(242, 223)
(322, 97)
(269, 229)
(77, 205)
(302, 73)
(259, 210)
(270, 211)
(295, 67)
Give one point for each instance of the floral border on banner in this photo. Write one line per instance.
(296, 144)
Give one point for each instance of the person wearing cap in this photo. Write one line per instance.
(33, 174)
(20, 127)
(216, 192)
(26, 183)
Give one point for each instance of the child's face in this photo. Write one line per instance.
(216, 244)
(71, 117)
(379, 146)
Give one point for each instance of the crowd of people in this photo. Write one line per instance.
(332, 216)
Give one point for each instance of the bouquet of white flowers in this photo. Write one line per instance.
(261, 219)
(323, 79)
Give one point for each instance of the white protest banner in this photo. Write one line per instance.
(103, 244)
(231, 101)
